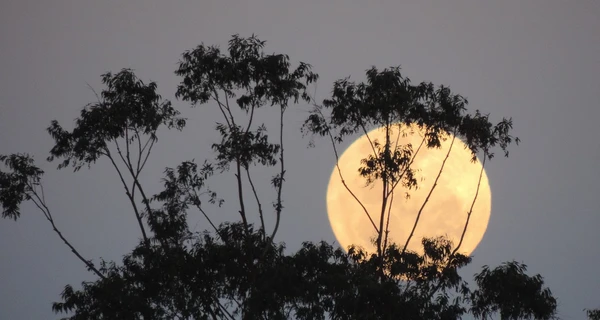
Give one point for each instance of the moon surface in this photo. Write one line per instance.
(445, 214)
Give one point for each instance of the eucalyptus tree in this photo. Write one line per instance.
(237, 271)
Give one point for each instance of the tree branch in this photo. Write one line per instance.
(337, 158)
(387, 224)
(196, 203)
(129, 196)
(40, 203)
(429, 194)
(472, 205)
(278, 205)
(414, 155)
(260, 211)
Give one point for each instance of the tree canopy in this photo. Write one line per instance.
(236, 270)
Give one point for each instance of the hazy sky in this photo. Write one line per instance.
(534, 60)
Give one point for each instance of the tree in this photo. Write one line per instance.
(236, 270)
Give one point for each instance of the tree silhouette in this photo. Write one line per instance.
(237, 271)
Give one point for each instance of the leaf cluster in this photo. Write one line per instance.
(126, 109)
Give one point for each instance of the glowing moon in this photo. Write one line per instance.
(444, 214)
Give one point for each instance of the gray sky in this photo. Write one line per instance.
(536, 61)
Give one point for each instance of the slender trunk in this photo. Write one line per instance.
(279, 205)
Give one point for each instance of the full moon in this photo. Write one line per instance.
(445, 214)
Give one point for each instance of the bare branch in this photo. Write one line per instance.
(429, 194)
(260, 211)
(228, 108)
(221, 107)
(408, 166)
(250, 120)
(369, 138)
(339, 170)
(384, 190)
(230, 124)
(471, 209)
(147, 154)
(129, 196)
(127, 147)
(278, 205)
(387, 223)
(41, 204)
(241, 195)
(197, 205)
(139, 142)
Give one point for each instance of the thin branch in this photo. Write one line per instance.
(241, 196)
(279, 206)
(95, 93)
(146, 144)
(129, 196)
(40, 203)
(337, 158)
(152, 140)
(387, 223)
(229, 109)
(384, 190)
(429, 194)
(196, 203)
(221, 107)
(414, 155)
(119, 152)
(136, 181)
(369, 138)
(238, 164)
(127, 148)
(465, 228)
(139, 141)
(472, 205)
(260, 211)
(251, 117)
(225, 310)
(43, 194)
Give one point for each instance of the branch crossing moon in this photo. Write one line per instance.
(445, 214)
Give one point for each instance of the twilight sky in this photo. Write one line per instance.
(534, 60)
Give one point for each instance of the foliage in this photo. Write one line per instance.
(239, 271)
(528, 298)
(593, 314)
